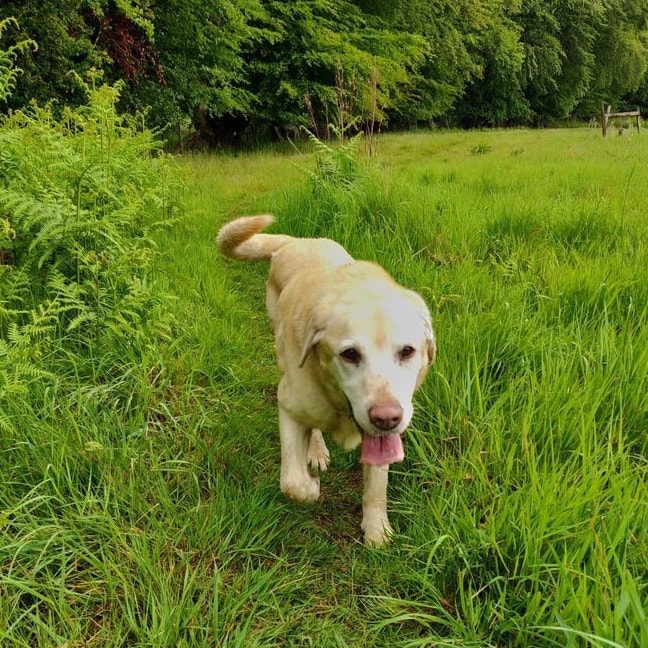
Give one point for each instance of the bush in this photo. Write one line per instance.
(80, 199)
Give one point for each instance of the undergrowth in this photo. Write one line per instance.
(85, 333)
(80, 200)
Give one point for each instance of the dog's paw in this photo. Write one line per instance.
(318, 454)
(306, 489)
(377, 530)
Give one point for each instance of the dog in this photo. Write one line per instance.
(352, 347)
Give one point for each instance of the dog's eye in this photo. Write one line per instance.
(352, 356)
(406, 352)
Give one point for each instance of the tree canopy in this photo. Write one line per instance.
(264, 67)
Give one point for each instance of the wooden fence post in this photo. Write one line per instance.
(606, 113)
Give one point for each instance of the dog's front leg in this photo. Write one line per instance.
(318, 454)
(375, 523)
(297, 481)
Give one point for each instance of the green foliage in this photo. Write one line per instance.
(8, 71)
(497, 96)
(328, 58)
(251, 68)
(65, 43)
(621, 52)
(450, 60)
(202, 47)
(80, 200)
(344, 194)
(543, 55)
(336, 166)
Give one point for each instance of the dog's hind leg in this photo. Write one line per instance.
(318, 454)
(272, 295)
(297, 482)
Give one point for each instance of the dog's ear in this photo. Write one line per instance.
(315, 326)
(431, 341)
(430, 338)
(313, 336)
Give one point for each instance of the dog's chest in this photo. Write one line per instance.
(346, 433)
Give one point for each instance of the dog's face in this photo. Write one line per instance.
(377, 351)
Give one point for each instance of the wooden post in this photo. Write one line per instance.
(607, 113)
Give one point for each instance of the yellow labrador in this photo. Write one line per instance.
(352, 347)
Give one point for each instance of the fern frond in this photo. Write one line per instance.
(82, 318)
(5, 421)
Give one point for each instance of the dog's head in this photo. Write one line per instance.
(377, 349)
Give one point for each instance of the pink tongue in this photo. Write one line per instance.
(381, 450)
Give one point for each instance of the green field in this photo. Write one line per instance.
(521, 509)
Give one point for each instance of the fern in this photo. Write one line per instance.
(336, 166)
(8, 71)
(21, 356)
(80, 201)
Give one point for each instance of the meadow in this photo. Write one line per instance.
(520, 511)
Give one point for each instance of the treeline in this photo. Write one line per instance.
(264, 68)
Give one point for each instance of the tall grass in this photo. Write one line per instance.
(523, 523)
(521, 507)
(85, 330)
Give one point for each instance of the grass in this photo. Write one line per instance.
(521, 508)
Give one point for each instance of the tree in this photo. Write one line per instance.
(330, 59)
(543, 57)
(621, 54)
(449, 60)
(496, 97)
(64, 41)
(231, 67)
(201, 46)
(580, 22)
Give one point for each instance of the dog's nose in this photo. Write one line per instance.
(386, 417)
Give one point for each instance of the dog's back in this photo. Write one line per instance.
(242, 239)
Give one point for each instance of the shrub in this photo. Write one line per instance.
(80, 199)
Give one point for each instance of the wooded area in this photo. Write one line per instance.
(250, 70)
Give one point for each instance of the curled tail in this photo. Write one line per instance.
(240, 238)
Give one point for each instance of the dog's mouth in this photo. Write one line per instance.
(380, 450)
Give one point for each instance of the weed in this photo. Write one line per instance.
(481, 149)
